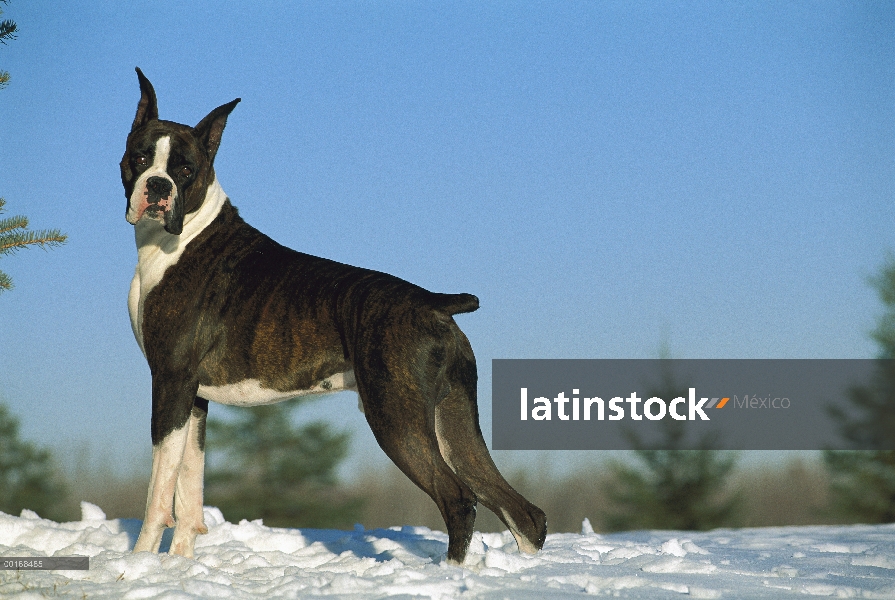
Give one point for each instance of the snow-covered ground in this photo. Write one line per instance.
(250, 560)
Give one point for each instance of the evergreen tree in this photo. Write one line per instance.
(262, 466)
(671, 488)
(863, 480)
(8, 31)
(28, 476)
(14, 235)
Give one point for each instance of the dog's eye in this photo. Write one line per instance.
(141, 161)
(186, 171)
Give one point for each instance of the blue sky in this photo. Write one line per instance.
(606, 177)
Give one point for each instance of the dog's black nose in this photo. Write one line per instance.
(158, 188)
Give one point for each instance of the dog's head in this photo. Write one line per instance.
(167, 167)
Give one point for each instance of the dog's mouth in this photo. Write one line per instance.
(154, 208)
(157, 203)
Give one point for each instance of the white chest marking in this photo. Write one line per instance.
(249, 392)
(157, 250)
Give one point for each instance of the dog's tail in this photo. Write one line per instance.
(453, 304)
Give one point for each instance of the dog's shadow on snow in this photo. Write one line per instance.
(359, 542)
(362, 543)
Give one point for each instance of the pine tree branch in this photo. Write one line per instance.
(13, 241)
(8, 30)
(7, 225)
(14, 235)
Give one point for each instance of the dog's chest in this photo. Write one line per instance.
(151, 267)
(157, 251)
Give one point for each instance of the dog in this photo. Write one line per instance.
(223, 313)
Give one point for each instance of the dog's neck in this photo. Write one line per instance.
(151, 236)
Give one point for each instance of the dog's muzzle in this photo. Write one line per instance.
(157, 201)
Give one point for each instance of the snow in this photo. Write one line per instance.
(250, 560)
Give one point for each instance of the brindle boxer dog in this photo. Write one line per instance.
(224, 313)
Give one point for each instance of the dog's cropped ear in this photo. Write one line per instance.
(211, 128)
(147, 109)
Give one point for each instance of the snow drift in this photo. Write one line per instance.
(249, 560)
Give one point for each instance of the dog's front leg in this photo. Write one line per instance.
(166, 459)
(189, 487)
(172, 403)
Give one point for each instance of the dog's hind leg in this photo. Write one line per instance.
(464, 449)
(405, 430)
(189, 487)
